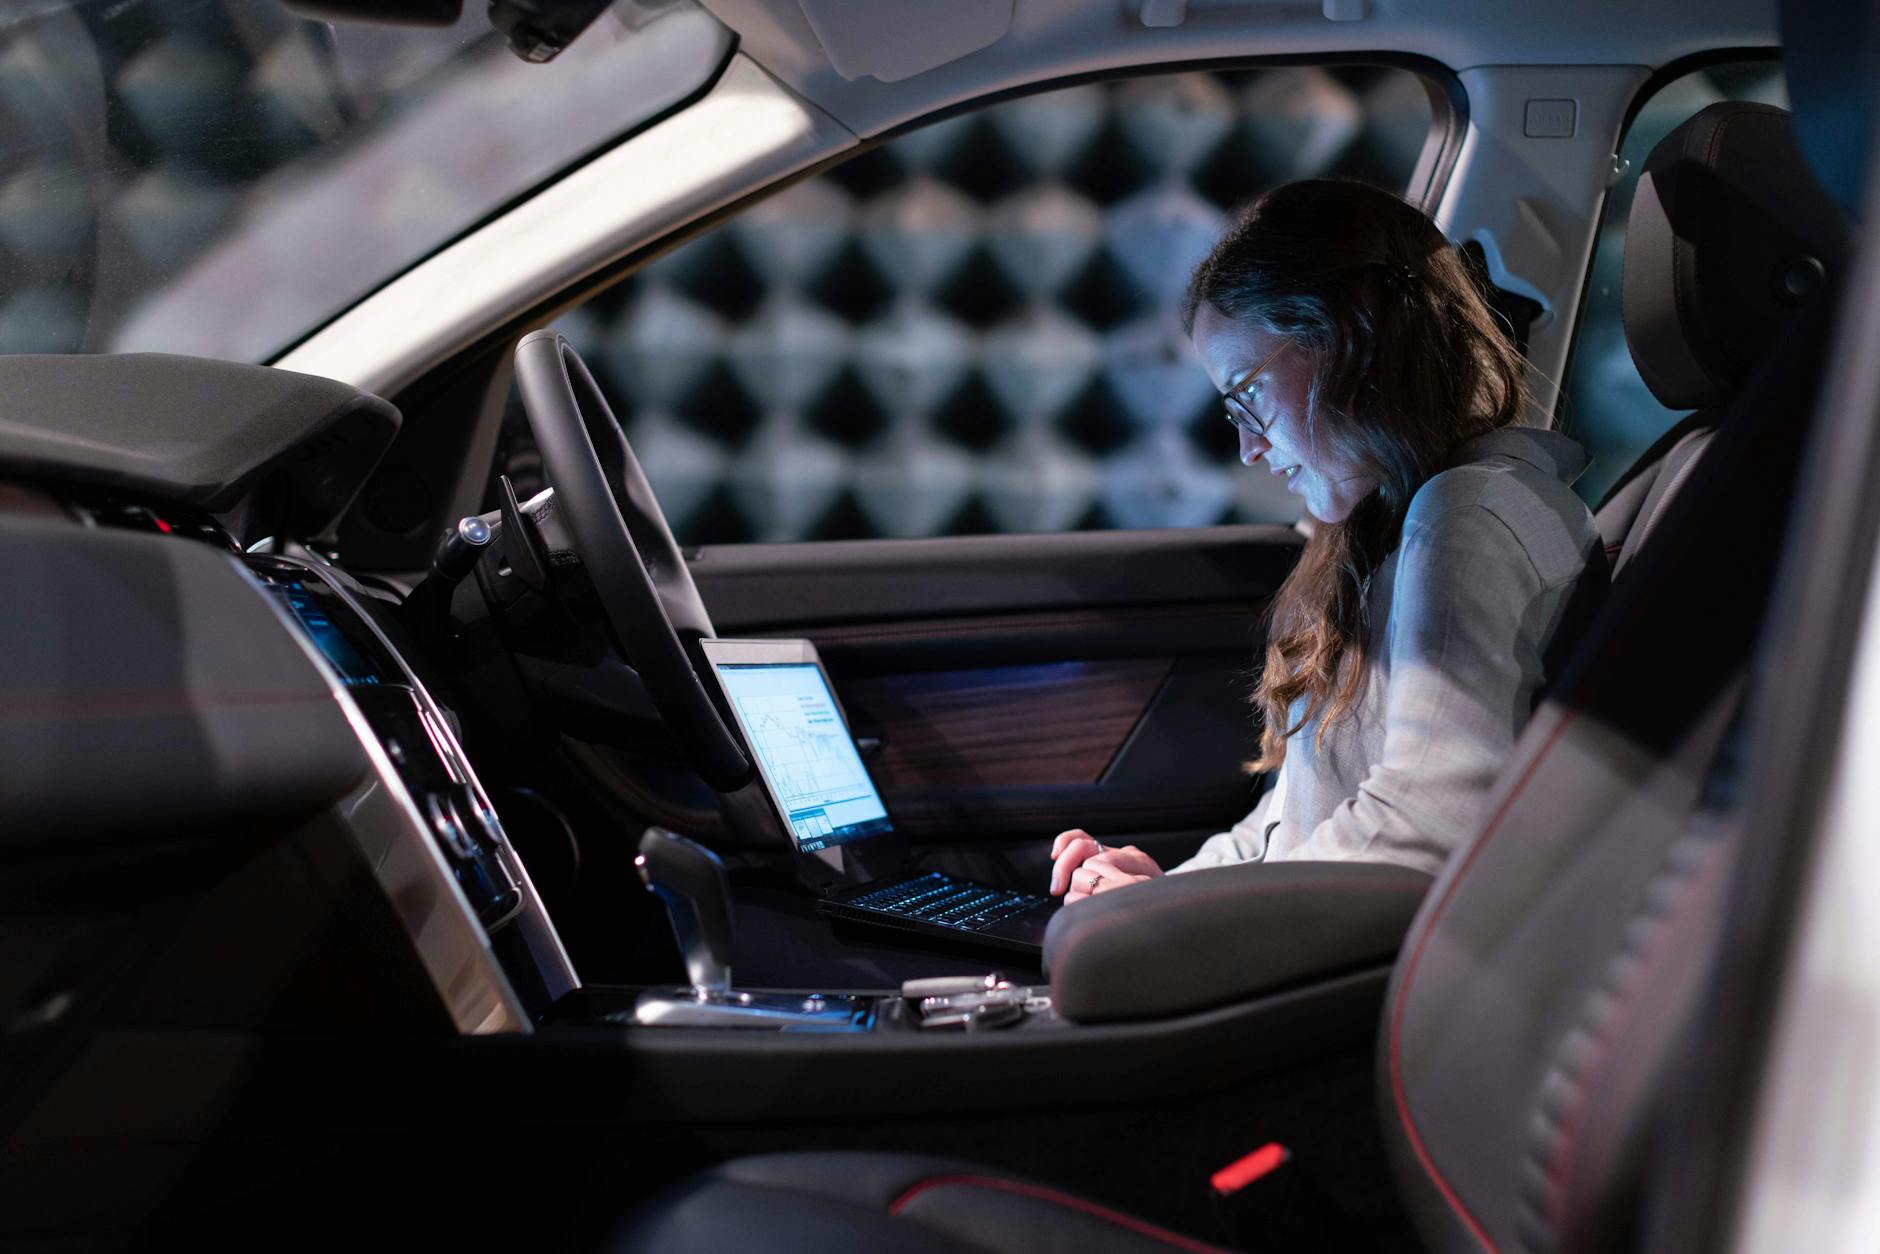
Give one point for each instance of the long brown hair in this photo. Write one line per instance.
(1410, 364)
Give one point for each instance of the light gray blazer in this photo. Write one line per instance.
(1463, 610)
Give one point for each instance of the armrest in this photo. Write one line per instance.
(1203, 939)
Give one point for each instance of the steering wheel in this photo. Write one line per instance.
(646, 593)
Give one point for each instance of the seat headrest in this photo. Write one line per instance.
(1729, 236)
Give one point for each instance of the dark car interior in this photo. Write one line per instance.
(325, 881)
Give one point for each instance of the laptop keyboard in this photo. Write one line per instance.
(937, 898)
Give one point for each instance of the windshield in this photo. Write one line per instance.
(219, 177)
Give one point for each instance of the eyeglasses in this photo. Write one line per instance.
(1239, 412)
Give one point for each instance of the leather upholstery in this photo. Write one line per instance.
(1673, 471)
(1705, 268)
(1191, 942)
(1530, 1022)
(1635, 505)
(1535, 1011)
(1729, 236)
(886, 1204)
(1502, 1011)
(1624, 501)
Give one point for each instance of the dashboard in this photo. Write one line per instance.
(421, 817)
(187, 693)
(260, 911)
(198, 693)
(439, 848)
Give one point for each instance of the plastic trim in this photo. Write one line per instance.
(744, 131)
(451, 943)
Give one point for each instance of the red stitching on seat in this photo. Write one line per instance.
(1403, 990)
(1040, 1193)
(1598, 1053)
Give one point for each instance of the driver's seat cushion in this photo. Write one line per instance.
(887, 1204)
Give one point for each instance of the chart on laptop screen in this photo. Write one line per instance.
(805, 752)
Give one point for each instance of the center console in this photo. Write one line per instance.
(438, 848)
(422, 817)
(691, 881)
(1301, 962)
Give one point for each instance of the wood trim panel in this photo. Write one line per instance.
(1003, 726)
(932, 644)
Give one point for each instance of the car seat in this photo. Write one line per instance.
(1731, 187)
(1536, 1009)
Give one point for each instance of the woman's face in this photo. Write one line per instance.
(1331, 483)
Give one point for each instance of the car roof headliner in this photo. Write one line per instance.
(1043, 40)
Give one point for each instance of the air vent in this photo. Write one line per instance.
(127, 517)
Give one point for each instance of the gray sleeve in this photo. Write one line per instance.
(1468, 614)
(1246, 840)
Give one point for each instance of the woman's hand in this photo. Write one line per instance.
(1082, 868)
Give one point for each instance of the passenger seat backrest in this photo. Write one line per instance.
(1527, 1018)
(1636, 503)
(1728, 239)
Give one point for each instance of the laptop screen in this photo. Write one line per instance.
(803, 748)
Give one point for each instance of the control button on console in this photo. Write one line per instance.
(448, 825)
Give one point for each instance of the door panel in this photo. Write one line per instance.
(1011, 726)
(1021, 684)
(763, 587)
(939, 643)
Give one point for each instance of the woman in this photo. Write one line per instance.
(1358, 361)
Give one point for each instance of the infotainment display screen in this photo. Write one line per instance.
(341, 654)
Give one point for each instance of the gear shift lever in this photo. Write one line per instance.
(690, 879)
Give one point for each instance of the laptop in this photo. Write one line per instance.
(827, 803)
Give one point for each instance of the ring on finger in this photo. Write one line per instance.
(1095, 880)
